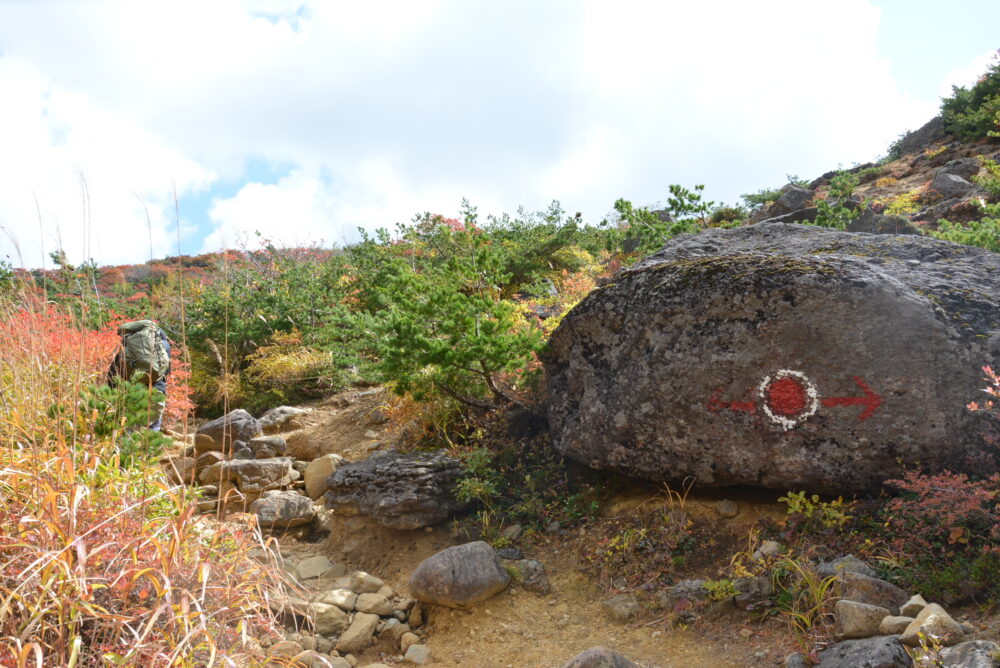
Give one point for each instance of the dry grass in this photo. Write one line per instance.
(100, 564)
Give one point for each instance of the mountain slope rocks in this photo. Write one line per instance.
(782, 356)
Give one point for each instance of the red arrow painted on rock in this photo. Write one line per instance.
(870, 400)
(715, 405)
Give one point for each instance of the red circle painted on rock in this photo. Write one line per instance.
(787, 397)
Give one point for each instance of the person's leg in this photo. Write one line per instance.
(157, 407)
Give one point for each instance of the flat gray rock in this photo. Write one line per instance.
(780, 356)
(877, 652)
(237, 425)
(401, 491)
(599, 657)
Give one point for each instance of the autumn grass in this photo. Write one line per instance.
(102, 564)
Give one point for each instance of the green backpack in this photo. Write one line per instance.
(146, 360)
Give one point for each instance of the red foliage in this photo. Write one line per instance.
(180, 404)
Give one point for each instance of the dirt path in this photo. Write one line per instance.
(517, 628)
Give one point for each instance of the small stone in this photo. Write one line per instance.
(418, 654)
(932, 622)
(374, 604)
(621, 608)
(416, 618)
(913, 607)
(727, 508)
(314, 567)
(796, 660)
(371, 434)
(308, 642)
(769, 548)
(328, 619)
(342, 598)
(318, 470)
(205, 443)
(857, 620)
(365, 583)
(284, 648)
(893, 625)
(386, 591)
(510, 553)
(359, 634)
(407, 640)
(512, 532)
(323, 644)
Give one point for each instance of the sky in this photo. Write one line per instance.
(133, 130)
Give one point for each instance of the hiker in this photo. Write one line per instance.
(144, 357)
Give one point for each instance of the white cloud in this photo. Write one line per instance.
(385, 109)
(966, 75)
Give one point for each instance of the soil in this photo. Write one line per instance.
(522, 629)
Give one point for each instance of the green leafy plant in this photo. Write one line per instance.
(720, 590)
(984, 233)
(804, 599)
(974, 113)
(814, 512)
(990, 180)
(761, 198)
(834, 211)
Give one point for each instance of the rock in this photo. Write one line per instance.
(752, 591)
(792, 198)
(282, 510)
(758, 355)
(252, 476)
(681, 594)
(532, 576)
(242, 451)
(621, 608)
(318, 567)
(806, 215)
(512, 532)
(359, 634)
(767, 549)
(342, 598)
(311, 659)
(317, 472)
(845, 564)
(374, 604)
(237, 425)
(727, 508)
(394, 630)
(965, 168)
(328, 620)
(386, 591)
(205, 443)
(972, 654)
(510, 553)
(877, 223)
(857, 620)
(599, 657)
(208, 504)
(365, 583)
(401, 491)
(893, 625)
(936, 211)
(281, 418)
(416, 618)
(266, 447)
(207, 459)
(460, 576)
(877, 652)
(796, 660)
(864, 589)
(408, 640)
(932, 622)
(180, 469)
(950, 185)
(913, 607)
(418, 654)
(284, 648)
(918, 140)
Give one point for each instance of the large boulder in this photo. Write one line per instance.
(401, 491)
(972, 654)
(237, 425)
(460, 576)
(877, 652)
(599, 657)
(782, 356)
